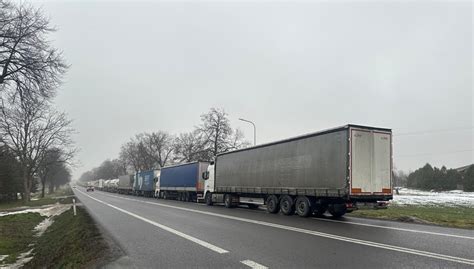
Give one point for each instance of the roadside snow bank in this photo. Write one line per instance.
(446, 198)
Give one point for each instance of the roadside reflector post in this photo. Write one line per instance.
(74, 205)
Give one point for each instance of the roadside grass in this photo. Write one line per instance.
(33, 203)
(70, 242)
(62, 196)
(459, 217)
(16, 233)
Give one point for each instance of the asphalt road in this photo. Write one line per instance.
(173, 234)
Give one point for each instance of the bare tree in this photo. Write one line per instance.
(61, 176)
(28, 62)
(53, 162)
(159, 147)
(135, 154)
(88, 176)
(216, 130)
(190, 147)
(29, 128)
(109, 169)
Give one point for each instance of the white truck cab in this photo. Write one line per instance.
(209, 180)
(157, 184)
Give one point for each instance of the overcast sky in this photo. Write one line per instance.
(293, 68)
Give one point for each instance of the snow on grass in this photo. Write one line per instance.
(47, 210)
(454, 198)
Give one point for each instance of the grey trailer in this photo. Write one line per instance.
(125, 184)
(334, 170)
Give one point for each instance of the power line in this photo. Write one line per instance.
(434, 153)
(434, 131)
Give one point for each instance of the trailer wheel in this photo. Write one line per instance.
(228, 201)
(287, 206)
(272, 204)
(209, 199)
(320, 209)
(337, 210)
(303, 206)
(165, 195)
(188, 197)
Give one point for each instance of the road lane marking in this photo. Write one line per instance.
(320, 234)
(253, 264)
(345, 222)
(166, 228)
(396, 228)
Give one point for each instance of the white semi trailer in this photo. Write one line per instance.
(334, 170)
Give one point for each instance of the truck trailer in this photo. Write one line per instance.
(101, 184)
(144, 182)
(125, 184)
(183, 182)
(334, 170)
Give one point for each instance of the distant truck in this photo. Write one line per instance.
(125, 184)
(333, 170)
(144, 183)
(183, 182)
(100, 184)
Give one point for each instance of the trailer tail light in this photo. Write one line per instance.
(356, 190)
(385, 190)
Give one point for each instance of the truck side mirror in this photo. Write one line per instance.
(205, 175)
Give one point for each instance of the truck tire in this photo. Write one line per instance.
(337, 210)
(228, 201)
(165, 195)
(209, 199)
(287, 206)
(273, 205)
(303, 206)
(320, 209)
(187, 197)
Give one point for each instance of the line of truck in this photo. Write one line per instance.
(336, 170)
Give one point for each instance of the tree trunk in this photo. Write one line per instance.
(50, 188)
(26, 185)
(43, 186)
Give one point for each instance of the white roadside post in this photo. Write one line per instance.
(74, 205)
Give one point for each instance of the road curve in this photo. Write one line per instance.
(173, 234)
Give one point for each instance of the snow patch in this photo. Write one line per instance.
(53, 211)
(47, 211)
(22, 259)
(431, 198)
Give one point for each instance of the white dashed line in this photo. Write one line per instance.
(253, 264)
(320, 234)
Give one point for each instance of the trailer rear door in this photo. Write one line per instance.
(371, 162)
